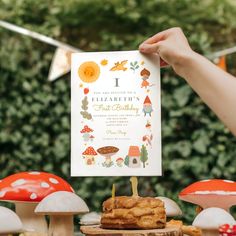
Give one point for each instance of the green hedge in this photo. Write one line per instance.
(35, 114)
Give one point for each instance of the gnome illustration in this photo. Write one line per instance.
(147, 106)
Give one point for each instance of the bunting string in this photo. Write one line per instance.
(61, 61)
(38, 36)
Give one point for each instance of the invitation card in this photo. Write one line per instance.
(115, 114)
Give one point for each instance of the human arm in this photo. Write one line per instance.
(216, 87)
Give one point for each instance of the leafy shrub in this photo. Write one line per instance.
(35, 114)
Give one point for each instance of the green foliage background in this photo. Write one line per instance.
(35, 114)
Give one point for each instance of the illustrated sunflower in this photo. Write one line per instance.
(89, 71)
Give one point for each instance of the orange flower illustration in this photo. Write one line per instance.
(89, 72)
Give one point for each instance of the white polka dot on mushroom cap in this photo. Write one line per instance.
(228, 181)
(34, 173)
(53, 181)
(18, 182)
(44, 185)
(33, 196)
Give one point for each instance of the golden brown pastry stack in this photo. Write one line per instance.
(133, 213)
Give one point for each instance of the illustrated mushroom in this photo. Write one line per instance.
(9, 222)
(108, 152)
(89, 155)
(91, 137)
(171, 207)
(210, 219)
(26, 189)
(211, 193)
(119, 161)
(86, 132)
(61, 206)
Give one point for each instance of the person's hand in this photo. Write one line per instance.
(171, 45)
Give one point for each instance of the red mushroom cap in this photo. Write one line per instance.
(119, 159)
(91, 136)
(89, 151)
(31, 186)
(86, 129)
(211, 193)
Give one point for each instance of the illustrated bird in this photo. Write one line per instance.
(119, 66)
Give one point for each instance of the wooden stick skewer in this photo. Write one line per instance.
(134, 184)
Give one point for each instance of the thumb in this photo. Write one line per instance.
(152, 48)
(149, 48)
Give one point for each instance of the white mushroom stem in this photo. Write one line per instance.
(61, 225)
(31, 222)
(108, 159)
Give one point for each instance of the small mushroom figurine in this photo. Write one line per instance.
(9, 222)
(26, 190)
(61, 206)
(171, 207)
(92, 218)
(89, 155)
(210, 219)
(211, 193)
(86, 133)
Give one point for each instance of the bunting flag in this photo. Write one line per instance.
(221, 62)
(61, 61)
(60, 65)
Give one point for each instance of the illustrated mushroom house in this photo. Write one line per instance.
(211, 193)
(26, 190)
(89, 155)
(134, 157)
(86, 131)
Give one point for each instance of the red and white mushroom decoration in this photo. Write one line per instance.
(89, 155)
(86, 132)
(26, 190)
(211, 193)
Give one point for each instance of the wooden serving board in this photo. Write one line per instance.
(96, 230)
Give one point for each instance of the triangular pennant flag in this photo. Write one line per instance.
(60, 64)
(221, 62)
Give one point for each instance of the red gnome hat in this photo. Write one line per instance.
(147, 100)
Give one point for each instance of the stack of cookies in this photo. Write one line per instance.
(134, 212)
